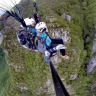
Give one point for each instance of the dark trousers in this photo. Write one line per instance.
(56, 42)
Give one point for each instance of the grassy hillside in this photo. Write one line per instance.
(4, 74)
(29, 75)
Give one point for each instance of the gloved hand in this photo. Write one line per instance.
(47, 53)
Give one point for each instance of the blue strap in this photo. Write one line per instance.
(33, 30)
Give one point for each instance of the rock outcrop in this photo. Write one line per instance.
(1, 37)
(92, 63)
(66, 17)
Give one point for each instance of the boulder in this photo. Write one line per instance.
(1, 37)
(66, 17)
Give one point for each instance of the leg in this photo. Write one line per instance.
(56, 41)
(62, 51)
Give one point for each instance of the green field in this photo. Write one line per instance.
(4, 74)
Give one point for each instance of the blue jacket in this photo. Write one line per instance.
(45, 39)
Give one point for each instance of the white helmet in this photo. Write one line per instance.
(29, 21)
(40, 26)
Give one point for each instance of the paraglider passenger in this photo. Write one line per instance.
(27, 36)
(46, 45)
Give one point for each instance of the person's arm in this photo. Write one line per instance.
(36, 17)
(44, 51)
(40, 47)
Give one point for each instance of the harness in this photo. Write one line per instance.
(28, 37)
